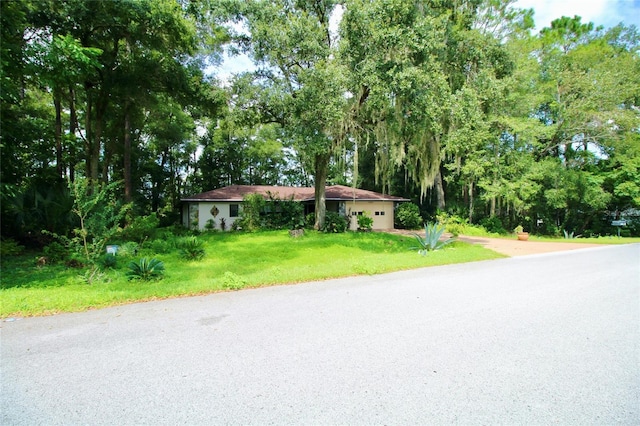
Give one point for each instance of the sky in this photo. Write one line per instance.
(607, 13)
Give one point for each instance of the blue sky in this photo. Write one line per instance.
(601, 12)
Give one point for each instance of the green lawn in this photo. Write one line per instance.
(232, 260)
(593, 240)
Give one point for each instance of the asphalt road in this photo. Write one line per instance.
(543, 339)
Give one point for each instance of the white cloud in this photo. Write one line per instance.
(601, 12)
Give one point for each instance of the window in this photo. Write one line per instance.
(233, 210)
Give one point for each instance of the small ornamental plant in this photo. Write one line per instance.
(191, 248)
(365, 222)
(431, 240)
(146, 269)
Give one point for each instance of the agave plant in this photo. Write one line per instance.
(431, 241)
(146, 269)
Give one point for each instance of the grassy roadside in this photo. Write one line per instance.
(580, 240)
(232, 261)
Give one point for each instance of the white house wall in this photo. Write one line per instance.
(224, 212)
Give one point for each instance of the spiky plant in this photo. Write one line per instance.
(146, 269)
(431, 241)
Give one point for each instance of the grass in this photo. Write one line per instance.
(592, 240)
(478, 231)
(232, 260)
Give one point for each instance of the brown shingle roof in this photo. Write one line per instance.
(333, 193)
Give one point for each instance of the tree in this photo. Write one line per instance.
(422, 70)
(302, 81)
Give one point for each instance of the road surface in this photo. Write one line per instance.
(542, 339)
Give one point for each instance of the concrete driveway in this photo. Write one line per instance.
(542, 339)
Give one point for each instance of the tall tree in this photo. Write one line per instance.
(422, 70)
(297, 52)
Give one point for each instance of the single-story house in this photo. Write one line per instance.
(224, 205)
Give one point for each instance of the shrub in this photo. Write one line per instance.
(365, 222)
(146, 269)
(129, 249)
(191, 248)
(161, 246)
(210, 225)
(76, 260)
(310, 220)
(109, 261)
(335, 222)
(252, 206)
(232, 281)
(280, 213)
(408, 216)
(452, 223)
(431, 240)
(223, 224)
(99, 214)
(56, 252)
(141, 228)
(10, 247)
(493, 224)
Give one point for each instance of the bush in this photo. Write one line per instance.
(365, 222)
(76, 260)
(280, 213)
(453, 223)
(231, 281)
(129, 249)
(335, 222)
(161, 246)
(55, 252)
(191, 248)
(109, 261)
(146, 269)
(10, 247)
(310, 220)
(252, 206)
(493, 224)
(408, 216)
(210, 225)
(141, 228)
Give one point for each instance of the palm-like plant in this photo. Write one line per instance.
(431, 241)
(191, 248)
(146, 269)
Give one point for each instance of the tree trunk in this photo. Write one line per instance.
(58, 131)
(73, 121)
(88, 133)
(321, 171)
(128, 186)
(96, 144)
(471, 206)
(439, 191)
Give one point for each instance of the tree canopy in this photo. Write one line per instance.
(457, 105)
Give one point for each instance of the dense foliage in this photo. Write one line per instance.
(457, 105)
